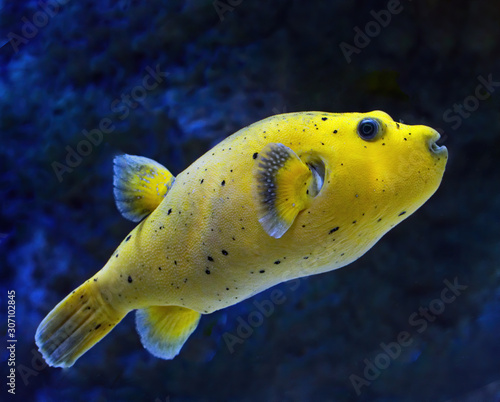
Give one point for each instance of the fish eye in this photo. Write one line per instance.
(368, 128)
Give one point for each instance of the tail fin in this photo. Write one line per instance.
(76, 324)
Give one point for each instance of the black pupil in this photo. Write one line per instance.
(368, 128)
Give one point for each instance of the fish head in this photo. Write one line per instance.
(376, 170)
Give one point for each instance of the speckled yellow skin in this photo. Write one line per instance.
(203, 247)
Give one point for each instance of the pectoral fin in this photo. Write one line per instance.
(284, 182)
(140, 184)
(165, 329)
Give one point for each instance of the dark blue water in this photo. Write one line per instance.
(83, 81)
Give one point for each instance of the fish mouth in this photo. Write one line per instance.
(438, 150)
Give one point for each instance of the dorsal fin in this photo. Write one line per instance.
(284, 182)
(140, 185)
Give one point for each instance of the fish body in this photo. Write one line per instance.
(290, 196)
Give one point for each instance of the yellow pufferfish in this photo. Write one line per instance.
(293, 195)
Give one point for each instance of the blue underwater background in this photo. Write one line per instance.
(71, 68)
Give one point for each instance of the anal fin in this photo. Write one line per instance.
(165, 329)
(140, 185)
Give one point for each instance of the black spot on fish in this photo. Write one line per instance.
(116, 256)
(335, 131)
(397, 125)
(210, 258)
(223, 183)
(402, 213)
(277, 262)
(202, 180)
(129, 279)
(333, 230)
(255, 155)
(324, 118)
(128, 237)
(95, 279)
(224, 252)
(98, 326)
(169, 211)
(159, 268)
(379, 219)
(207, 271)
(262, 271)
(227, 288)
(175, 262)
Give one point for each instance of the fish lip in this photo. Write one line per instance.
(436, 149)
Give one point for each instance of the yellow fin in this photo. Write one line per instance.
(140, 184)
(165, 329)
(284, 188)
(76, 324)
